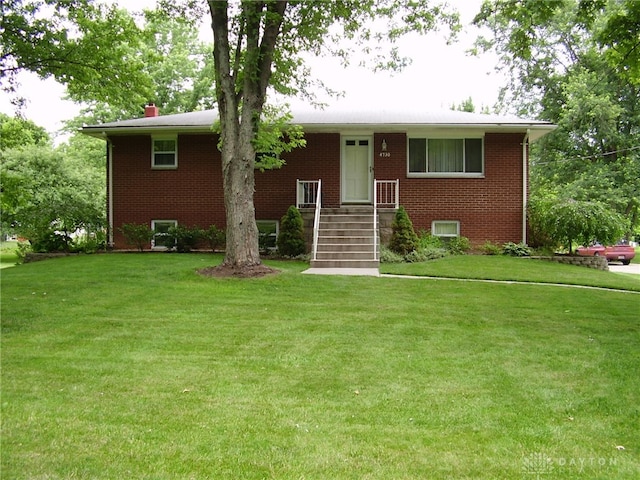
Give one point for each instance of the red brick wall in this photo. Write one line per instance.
(488, 208)
(190, 194)
(320, 159)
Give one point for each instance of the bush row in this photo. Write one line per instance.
(407, 246)
(290, 241)
(179, 238)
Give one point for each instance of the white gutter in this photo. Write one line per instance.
(524, 185)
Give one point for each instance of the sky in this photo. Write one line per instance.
(440, 75)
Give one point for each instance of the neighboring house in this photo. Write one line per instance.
(456, 173)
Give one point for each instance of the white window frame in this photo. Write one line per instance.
(153, 227)
(428, 174)
(154, 139)
(443, 222)
(275, 235)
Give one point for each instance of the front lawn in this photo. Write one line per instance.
(133, 366)
(8, 254)
(502, 267)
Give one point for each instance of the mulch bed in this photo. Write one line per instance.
(228, 271)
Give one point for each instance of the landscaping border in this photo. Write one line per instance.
(599, 263)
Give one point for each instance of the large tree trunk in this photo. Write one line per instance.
(240, 107)
(242, 249)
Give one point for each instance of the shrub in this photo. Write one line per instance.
(458, 245)
(516, 249)
(90, 242)
(214, 237)
(137, 235)
(22, 250)
(490, 248)
(267, 237)
(291, 237)
(427, 240)
(51, 241)
(388, 256)
(425, 254)
(403, 237)
(185, 238)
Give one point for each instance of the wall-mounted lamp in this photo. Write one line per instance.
(384, 145)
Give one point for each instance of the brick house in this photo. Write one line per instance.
(456, 173)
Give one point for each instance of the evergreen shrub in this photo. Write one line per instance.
(403, 236)
(291, 237)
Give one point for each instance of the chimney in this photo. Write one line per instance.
(151, 110)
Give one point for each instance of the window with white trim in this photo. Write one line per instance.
(164, 152)
(445, 229)
(161, 239)
(445, 157)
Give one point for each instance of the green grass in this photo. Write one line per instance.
(132, 366)
(501, 267)
(8, 254)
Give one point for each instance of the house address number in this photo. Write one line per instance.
(385, 154)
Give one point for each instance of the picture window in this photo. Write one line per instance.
(446, 157)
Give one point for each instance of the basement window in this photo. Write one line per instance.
(164, 153)
(445, 229)
(161, 238)
(267, 234)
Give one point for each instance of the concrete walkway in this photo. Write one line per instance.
(631, 268)
(374, 272)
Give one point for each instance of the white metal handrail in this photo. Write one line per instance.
(387, 193)
(306, 193)
(375, 220)
(316, 219)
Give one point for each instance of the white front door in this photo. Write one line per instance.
(356, 169)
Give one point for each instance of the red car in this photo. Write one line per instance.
(620, 252)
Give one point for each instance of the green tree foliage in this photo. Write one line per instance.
(403, 237)
(575, 63)
(568, 223)
(178, 66)
(291, 236)
(93, 49)
(464, 106)
(44, 192)
(17, 132)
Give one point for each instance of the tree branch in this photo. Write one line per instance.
(225, 85)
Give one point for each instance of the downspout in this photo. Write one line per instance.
(525, 162)
(109, 192)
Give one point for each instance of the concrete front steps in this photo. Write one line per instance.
(346, 238)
